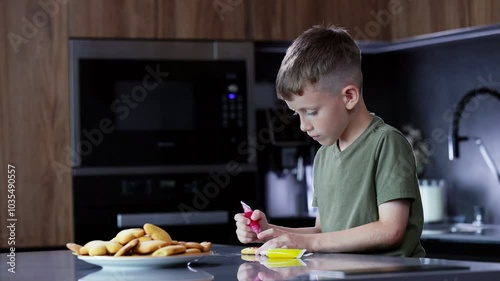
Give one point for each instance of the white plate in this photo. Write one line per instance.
(136, 262)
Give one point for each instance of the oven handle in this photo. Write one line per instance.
(168, 219)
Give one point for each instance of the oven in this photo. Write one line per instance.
(189, 205)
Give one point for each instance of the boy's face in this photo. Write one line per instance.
(323, 115)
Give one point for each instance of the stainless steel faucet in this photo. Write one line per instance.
(487, 158)
(454, 138)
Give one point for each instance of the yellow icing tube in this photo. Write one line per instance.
(283, 253)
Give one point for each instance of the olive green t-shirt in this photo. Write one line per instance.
(377, 167)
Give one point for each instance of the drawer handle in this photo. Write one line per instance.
(168, 219)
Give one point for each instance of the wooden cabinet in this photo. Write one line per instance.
(429, 16)
(160, 19)
(195, 19)
(34, 126)
(286, 19)
(372, 20)
(367, 20)
(113, 18)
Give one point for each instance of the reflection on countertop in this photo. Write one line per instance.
(181, 273)
(228, 264)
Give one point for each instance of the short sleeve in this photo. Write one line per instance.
(396, 169)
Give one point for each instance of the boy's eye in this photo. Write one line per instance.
(311, 113)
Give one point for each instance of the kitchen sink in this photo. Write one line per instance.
(463, 229)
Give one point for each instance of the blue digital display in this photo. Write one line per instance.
(231, 96)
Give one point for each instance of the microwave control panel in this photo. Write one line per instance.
(233, 113)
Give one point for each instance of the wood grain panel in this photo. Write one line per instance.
(201, 19)
(34, 124)
(112, 18)
(366, 20)
(429, 16)
(286, 19)
(483, 12)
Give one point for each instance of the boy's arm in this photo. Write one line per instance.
(387, 232)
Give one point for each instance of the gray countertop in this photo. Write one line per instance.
(227, 264)
(462, 233)
(463, 238)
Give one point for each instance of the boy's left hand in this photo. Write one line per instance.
(281, 239)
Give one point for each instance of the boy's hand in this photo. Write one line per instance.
(281, 239)
(244, 232)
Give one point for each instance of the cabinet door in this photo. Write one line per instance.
(286, 19)
(34, 126)
(112, 18)
(429, 16)
(160, 19)
(201, 19)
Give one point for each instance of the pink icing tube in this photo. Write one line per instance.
(254, 225)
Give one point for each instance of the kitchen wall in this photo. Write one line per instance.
(420, 86)
(418, 83)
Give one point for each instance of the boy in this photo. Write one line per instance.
(365, 184)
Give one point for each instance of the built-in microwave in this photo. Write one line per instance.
(160, 103)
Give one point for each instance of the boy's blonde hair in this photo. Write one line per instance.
(324, 55)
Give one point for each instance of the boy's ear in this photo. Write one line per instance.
(350, 96)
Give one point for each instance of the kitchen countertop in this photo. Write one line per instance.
(227, 264)
(489, 234)
(465, 238)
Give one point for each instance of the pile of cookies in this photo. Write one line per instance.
(150, 240)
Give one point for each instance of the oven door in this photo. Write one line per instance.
(160, 112)
(189, 206)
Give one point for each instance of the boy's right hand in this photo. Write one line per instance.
(244, 232)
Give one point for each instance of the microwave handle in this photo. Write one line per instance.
(174, 218)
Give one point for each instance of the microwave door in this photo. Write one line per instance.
(162, 112)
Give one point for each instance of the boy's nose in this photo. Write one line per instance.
(305, 126)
